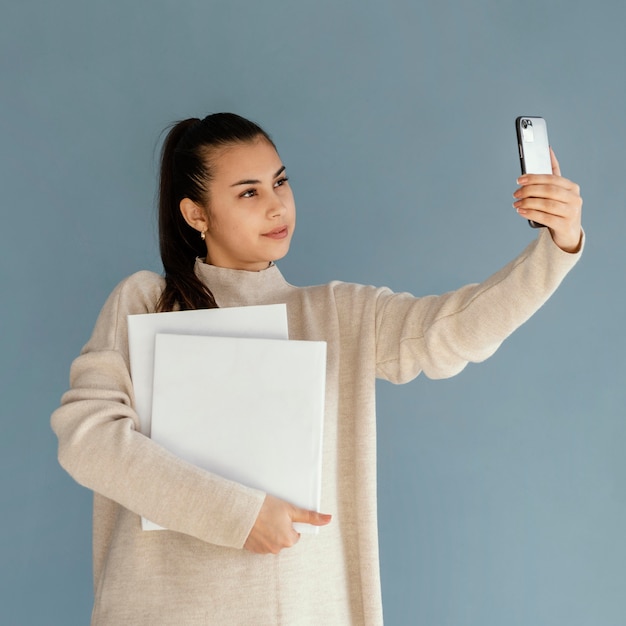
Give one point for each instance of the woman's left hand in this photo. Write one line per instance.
(553, 201)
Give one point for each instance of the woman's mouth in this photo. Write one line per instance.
(277, 233)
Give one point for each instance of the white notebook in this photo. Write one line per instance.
(250, 410)
(268, 320)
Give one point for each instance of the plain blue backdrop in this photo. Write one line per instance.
(501, 491)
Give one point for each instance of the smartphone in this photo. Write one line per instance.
(534, 148)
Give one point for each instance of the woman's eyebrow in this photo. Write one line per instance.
(257, 182)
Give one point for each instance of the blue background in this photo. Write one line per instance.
(501, 491)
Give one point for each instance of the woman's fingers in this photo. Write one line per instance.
(556, 170)
(553, 201)
(310, 517)
(551, 198)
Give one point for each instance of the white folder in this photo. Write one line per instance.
(268, 321)
(248, 409)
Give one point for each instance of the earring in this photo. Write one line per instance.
(203, 235)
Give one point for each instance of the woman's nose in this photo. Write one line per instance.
(276, 206)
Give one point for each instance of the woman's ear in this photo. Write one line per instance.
(194, 215)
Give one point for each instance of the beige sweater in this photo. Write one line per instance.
(197, 572)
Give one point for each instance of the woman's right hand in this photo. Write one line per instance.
(273, 529)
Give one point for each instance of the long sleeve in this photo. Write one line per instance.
(439, 335)
(101, 447)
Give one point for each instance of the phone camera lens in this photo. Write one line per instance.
(524, 123)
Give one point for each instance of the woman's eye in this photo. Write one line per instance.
(281, 181)
(249, 193)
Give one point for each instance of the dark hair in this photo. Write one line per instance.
(186, 171)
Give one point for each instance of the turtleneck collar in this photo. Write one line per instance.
(241, 287)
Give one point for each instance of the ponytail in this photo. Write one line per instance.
(180, 244)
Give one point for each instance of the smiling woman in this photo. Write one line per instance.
(248, 223)
(231, 554)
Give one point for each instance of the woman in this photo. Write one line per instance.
(231, 555)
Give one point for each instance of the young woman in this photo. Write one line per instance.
(231, 555)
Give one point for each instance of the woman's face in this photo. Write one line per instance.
(251, 212)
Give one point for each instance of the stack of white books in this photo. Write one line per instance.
(226, 390)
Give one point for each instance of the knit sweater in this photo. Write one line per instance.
(197, 572)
